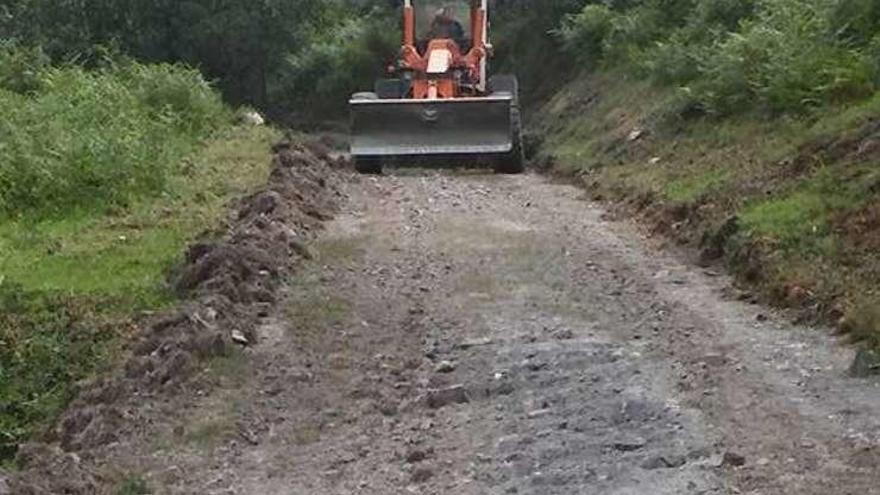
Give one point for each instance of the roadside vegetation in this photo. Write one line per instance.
(105, 176)
(743, 127)
(293, 59)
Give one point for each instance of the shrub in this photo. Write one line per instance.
(183, 94)
(318, 79)
(734, 55)
(583, 34)
(94, 139)
(856, 21)
(638, 28)
(20, 67)
(786, 58)
(674, 61)
(725, 15)
(675, 58)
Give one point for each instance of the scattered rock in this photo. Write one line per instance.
(248, 435)
(714, 360)
(564, 334)
(533, 365)
(629, 444)
(745, 296)
(732, 459)
(539, 413)
(416, 456)
(455, 394)
(239, 338)
(388, 408)
(664, 462)
(468, 344)
(422, 475)
(445, 367)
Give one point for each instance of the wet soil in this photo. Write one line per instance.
(477, 334)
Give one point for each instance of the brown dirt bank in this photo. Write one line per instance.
(231, 285)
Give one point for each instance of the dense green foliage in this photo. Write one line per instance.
(345, 58)
(733, 55)
(302, 57)
(72, 138)
(272, 54)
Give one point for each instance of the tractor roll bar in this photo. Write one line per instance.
(479, 22)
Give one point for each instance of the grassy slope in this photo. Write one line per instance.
(793, 204)
(69, 286)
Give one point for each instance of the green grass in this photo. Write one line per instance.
(690, 188)
(791, 181)
(801, 219)
(789, 219)
(128, 253)
(69, 286)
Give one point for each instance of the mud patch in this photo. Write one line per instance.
(231, 285)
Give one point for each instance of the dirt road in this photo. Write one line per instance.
(479, 334)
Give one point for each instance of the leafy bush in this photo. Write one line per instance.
(711, 15)
(675, 58)
(637, 28)
(734, 55)
(786, 59)
(20, 67)
(318, 79)
(674, 61)
(856, 21)
(82, 139)
(583, 34)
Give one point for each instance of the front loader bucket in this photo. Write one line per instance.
(432, 128)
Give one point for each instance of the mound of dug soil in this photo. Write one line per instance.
(229, 285)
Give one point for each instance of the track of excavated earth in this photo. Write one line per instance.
(463, 333)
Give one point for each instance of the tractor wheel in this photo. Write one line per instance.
(368, 165)
(514, 161)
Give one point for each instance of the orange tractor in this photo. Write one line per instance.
(440, 104)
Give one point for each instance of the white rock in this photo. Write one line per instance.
(253, 118)
(239, 338)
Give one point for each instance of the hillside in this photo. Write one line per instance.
(729, 132)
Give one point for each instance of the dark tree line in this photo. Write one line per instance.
(284, 56)
(242, 44)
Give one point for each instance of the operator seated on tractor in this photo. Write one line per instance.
(446, 26)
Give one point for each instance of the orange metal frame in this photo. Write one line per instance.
(444, 87)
